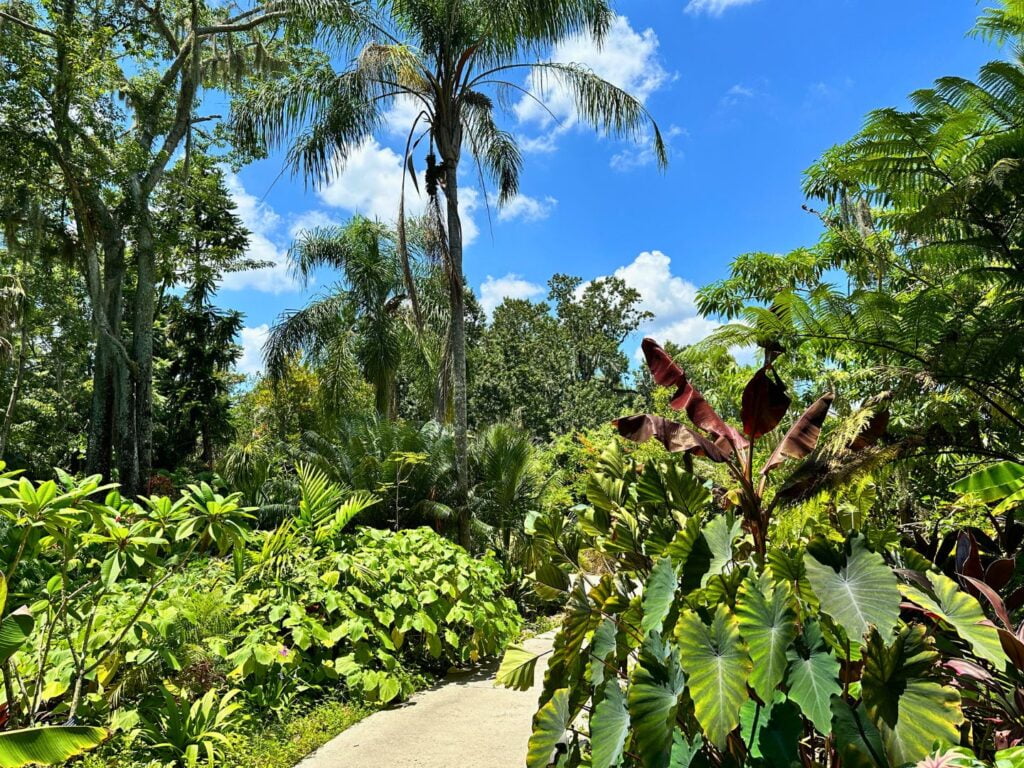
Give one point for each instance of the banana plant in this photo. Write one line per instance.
(765, 402)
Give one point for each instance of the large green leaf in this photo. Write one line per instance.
(550, 582)
(768, 626)
(962, 612)
(721, 534)
(658, 595)
(688, 753)
(601, 647)
(15, 630)
(858, 741)
(813, 681)
(50, 745)
(549, 726)
(656, 684)
(772, 733)
(691, 554)
(718, 667)
(911, 709)
(609, 727)
(518, 668)
(994, 482)
(860, 594)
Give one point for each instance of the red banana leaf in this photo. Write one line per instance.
(802, 437)
(676, 437)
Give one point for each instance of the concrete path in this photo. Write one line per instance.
(463, 721)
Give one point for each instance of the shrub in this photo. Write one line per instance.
(367, 615)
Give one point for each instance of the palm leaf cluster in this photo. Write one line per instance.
(924, 225)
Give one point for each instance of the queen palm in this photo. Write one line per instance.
(455, 60)
(352, 331)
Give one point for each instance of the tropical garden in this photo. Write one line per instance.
(795, 543)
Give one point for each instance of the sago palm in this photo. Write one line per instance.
(354, 329)
(455, 59)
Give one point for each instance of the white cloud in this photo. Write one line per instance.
(737, 94)
(371, 184)
(642, 154)
(314, 219)
(626, 58)
(263, 224)
(527, 208)
(715, 7)
(402, 114)
(252, 341)
(495, 290)
(671, 299)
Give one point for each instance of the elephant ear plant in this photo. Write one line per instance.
(704, 643)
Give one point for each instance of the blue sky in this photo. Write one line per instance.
(749, 92)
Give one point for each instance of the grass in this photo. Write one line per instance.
(285, 745)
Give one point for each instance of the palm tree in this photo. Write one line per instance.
(355, 329)
(509, 482)
(453, 58)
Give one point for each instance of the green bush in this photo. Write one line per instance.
(368, 615)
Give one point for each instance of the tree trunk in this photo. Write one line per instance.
(142, 344)
(19, 375)
(458, 339)
(106, 296)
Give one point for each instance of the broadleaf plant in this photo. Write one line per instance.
(703, 642)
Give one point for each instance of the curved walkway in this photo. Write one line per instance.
(463, 721)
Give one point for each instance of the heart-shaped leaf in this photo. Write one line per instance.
(768, 626)
(911, 708)
(718, 667)
(609, 727)
(656, 684)
(659, 594)
(962, 612)
(860, 593)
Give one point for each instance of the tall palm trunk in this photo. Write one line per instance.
(450, 156)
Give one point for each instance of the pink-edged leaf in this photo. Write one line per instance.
(993, 599)
(999, 572)
(802, 437)
(764, 403)
(871, 432)
(688, 398)
(676, 437)
(970, 669)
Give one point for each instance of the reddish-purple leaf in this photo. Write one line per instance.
(994, 600)
(1013, 646)
(688, 398)
(663, 368)
(802, 437)
(764, 403)
(969, 669)
(1016, 600)
(676, 437)
(999, 572)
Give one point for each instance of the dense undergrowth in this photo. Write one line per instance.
(197, 640)
(705, 638)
